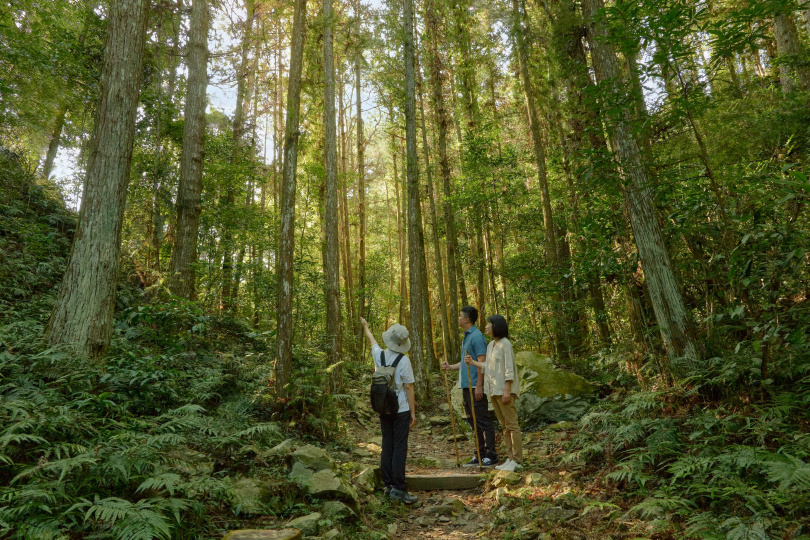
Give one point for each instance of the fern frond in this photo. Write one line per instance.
(789, 472)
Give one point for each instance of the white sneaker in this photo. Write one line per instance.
(506, 466)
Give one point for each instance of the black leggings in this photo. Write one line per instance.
(395, 428)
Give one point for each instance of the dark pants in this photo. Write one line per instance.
(395, 428)
(486, 433)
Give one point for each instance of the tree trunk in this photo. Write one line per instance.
(416, 247)
(673, 319)
(83, 315)
(182, 278)
(540, 156)
(53, 144)
(791, 71)
(284, 333)
(331, 258)
(440, 112)
(433, 219)
(361, 187)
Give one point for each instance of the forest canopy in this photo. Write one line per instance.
(200, 200)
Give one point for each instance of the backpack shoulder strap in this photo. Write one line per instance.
(396, 362)
(382, 359)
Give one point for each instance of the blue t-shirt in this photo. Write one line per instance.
(475, 344)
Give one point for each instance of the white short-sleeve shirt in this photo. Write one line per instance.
(403, 374)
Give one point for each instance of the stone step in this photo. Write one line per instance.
(429, 482)
(266, 534)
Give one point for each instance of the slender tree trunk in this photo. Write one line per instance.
(284, 333)
(83, 315)
(53, 144)
(361, 186)
(182, 278)
(673, 319)
(540, 156)
(416, 247)
(433, 219)
(331, 259)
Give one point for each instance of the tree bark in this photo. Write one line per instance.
(331, 257)
(53, 144)
(182, 278)
(440, 112)
(416, 247)
(83, 315)
(673, 319)
(791, 72)
(361, 184)
(540, 156)
(284, 333)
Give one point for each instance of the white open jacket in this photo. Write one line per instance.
(500, 367)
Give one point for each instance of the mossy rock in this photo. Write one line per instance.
(551, 381)
(258, 534)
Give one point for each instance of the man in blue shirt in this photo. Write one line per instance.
(476, 345)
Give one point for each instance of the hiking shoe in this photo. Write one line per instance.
(403, 496)
(472, 463)
(486, 462)
(508, 465)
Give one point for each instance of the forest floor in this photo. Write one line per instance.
(550, 499)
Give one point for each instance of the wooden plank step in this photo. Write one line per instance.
(429, 482)
(263, 534)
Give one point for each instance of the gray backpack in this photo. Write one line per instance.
(383, 388)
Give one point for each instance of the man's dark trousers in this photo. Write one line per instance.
(395, 428)
(486, 432)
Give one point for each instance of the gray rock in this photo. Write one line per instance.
(369, 479)
(505, 478)
(554, 514)
(336, 510)
(249, 495)
(439, 510)
(306, 524)
(300, 474)
(549, 394)
(457, 504)
(312, 457)
(281, 449)
(326, 484)
(328, 535)
(536, 479)
(439, 420)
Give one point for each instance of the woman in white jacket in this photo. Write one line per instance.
(502, 384)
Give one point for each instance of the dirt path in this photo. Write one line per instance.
(549, 500)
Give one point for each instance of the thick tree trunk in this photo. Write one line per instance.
(182, 278)
(792, 73)
(416, 246)
(284, 333)
(673, 319)
(331, 258)
(83, 315)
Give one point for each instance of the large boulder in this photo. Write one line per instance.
(547, 380)
(549, 394)
(249, 495)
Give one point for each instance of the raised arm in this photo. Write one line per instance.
(369, 335)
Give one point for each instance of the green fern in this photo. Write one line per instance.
(790, 472)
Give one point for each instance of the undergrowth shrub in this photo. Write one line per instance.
(149, 445)
(713, 469)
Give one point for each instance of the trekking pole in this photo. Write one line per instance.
(472, 408)
(452, 421)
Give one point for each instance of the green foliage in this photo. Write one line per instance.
(723, 471)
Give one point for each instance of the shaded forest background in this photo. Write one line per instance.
(626, 183)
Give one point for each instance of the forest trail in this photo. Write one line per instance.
(549, 500)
